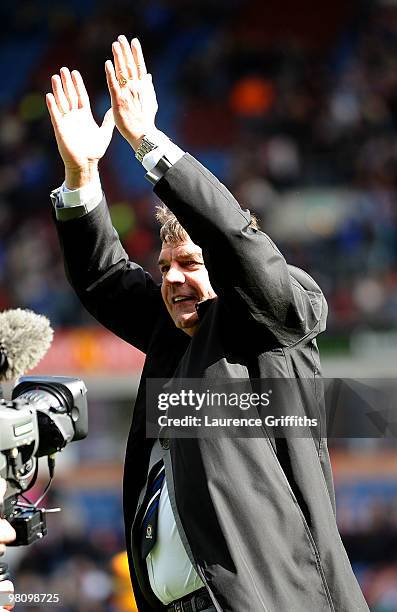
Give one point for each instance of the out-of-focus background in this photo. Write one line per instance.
(294, 106)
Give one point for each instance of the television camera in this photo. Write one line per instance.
(44, 414)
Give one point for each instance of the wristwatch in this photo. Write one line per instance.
(145, 147)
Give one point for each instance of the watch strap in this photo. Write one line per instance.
(144, 148)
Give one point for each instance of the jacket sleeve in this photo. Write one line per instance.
(117, 292)
(245, 266)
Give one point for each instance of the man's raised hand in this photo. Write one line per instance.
(131, 89)
(81, 141)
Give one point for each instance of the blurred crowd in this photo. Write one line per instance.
(78, 574)
(277, 104)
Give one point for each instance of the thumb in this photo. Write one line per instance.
(108, 124)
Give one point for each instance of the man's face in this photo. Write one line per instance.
(185, 283)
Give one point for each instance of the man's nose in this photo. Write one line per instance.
(175, 275)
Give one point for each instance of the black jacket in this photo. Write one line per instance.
(258, 517)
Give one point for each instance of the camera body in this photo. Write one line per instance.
(43, 416)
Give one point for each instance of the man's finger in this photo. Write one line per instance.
(59, 94)
(69, 88)
(119, 61)
(132, 72)
(113, 84)
(82, 95)
(138, 57)
(55, 113)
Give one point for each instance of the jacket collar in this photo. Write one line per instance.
(202, 307)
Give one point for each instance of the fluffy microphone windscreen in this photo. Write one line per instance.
(25, 338)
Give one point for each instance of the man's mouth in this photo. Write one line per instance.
(182, 298)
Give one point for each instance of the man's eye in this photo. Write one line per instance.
(193, 263)
(164, 269)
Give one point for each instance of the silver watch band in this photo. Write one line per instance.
(145, 147)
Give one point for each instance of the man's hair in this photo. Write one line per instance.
(172, 232)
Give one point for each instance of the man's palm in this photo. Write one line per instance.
(80, 139)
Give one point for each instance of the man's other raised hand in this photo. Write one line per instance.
(131, 90)
(81, 141)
